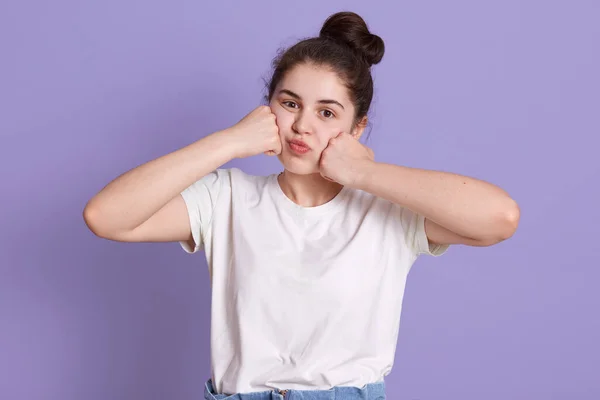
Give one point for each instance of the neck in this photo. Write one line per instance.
(308, 190)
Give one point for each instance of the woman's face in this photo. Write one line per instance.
(312, 106)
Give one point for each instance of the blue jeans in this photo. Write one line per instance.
(371, 391)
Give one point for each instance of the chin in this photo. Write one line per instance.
(297, 165)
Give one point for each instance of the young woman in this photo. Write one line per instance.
(308, 266)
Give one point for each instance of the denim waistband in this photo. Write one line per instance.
(371, 391)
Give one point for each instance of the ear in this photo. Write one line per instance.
(359, 128)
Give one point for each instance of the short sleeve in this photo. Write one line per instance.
(200, 199)
(413, 225)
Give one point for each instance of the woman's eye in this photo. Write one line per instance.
(290, 104)
(327, 114)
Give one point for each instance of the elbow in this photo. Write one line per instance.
(512, 215)
(90, 218)
(93, 220)
(508, 221)
(104, 226)
(505, 224)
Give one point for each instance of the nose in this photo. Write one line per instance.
(303, 124)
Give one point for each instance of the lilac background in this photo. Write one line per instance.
(505, 91)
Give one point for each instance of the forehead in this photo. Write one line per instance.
(315, 83)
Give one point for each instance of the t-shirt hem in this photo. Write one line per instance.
(194, 225)
(425, 247)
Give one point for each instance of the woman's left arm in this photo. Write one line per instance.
(457, 209)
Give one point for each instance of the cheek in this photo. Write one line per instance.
(284, 122)
(329, 132)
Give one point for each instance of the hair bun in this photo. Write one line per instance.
(349, 28)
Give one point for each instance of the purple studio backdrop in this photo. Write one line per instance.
(503, 91)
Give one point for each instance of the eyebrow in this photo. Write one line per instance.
(297, 97)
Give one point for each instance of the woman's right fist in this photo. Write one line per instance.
(257, 133)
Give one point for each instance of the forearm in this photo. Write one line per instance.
(466, 206)
(133, 197)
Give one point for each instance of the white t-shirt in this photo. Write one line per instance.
(302, 297)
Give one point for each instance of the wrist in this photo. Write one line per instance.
(230, 141)
(364, 174)
(218, 145)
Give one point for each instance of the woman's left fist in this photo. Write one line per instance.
(344, 159)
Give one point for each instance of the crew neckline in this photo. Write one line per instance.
(283, 200)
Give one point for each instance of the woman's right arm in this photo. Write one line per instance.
(145, 205)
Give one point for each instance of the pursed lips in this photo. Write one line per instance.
(298, 146)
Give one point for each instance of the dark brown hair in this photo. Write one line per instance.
(347, 47)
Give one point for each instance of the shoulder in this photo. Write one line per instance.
(242, 179)
(383, 211)
(223, 182)
(406, 223)
(234, 183)
(233, 177)
(369, 202)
